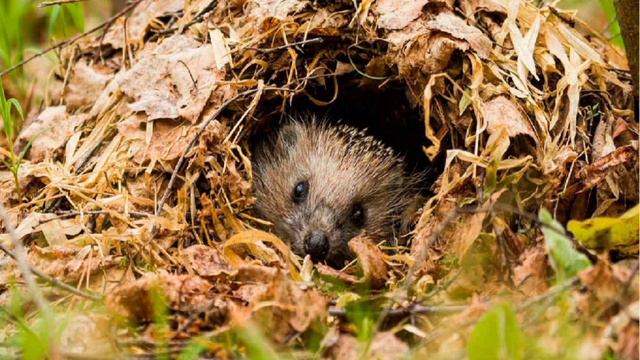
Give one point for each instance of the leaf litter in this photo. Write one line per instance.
(141, 188)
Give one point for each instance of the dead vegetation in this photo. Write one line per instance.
(139, 192)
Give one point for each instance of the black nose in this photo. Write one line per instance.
(316, 244)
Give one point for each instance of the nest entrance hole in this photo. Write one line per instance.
(385, 112)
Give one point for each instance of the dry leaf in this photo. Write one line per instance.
(138, 22)
(135, 300)
(530, 276)
(502, 113)
(174, 79)
(85, 84)
(459, 29)
(278, 9)
(70, 264)
(371, 259)
(384, 346)
(394, 15)
(206, 261)
(288, 309)
(49, 131)
(330, 272)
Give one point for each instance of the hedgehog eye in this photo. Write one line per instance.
(358, 215)
(300, 191)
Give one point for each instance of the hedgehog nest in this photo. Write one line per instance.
(145, 175)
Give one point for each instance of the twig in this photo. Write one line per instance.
(58, 2)
(73, 39)
(195, 20)
(413, 309)
(302, 42)
(549, 294)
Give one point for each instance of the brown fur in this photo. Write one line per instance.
(343, 166)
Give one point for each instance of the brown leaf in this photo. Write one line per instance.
(135, 300)
(463, 232)
(253, 282)
(459, 29)
(168, 140)
(601, 281)
(206, 261)
(278, 9)
(530, 276)
(70, 264)
(50, 129)
(596, 172)
(491, 6)
(384, 346)
(290, 309)
(138, 22)
(371, 259)
(395, 15)
(502, 113)
(622, 332)
(86, 84)
(174, 79)
(330, 272)
(628, 343)
(87, 335)
(347, 347)
(256, 274)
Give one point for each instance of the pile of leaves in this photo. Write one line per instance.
(134, 199)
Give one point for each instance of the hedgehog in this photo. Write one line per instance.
(320, 184)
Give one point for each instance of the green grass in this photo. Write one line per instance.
(13, 32)
(9, 108)
(65, 20)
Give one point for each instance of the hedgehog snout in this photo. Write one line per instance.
(318, 232)
(316, 245)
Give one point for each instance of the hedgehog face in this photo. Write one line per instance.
(320, 186)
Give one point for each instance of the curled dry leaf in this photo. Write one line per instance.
(370, 259)
(439, 52)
